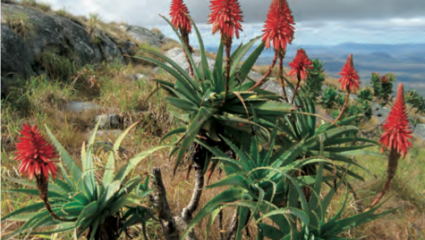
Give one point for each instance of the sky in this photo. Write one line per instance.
(318, 22)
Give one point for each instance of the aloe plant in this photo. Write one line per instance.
(87, 203)
(264, 183)
(202, 101)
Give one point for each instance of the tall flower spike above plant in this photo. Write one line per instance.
(279, 30)
(395, 137)
(226, 17)
(349, 81)
(278, 27)
(396, 128)
(180, 20)
(35, 155)
(299, 69)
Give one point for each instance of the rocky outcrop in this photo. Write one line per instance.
(178, 56)
(49, 32)
(145, 35)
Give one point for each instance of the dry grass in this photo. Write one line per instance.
(262, 69)
(34, 4)
(170, 45)
(330, 81)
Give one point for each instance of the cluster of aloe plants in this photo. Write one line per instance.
(275, 157)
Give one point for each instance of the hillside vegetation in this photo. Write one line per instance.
(127, 89)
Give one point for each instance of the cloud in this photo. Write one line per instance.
(146, 11)
(330, 32)
(317, 21)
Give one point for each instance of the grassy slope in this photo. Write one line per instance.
(40, 101)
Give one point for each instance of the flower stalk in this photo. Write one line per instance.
(349, 81)
(396, 138)
(226, 17)
(35, 155)
(282, 81)
(299, 68)
(180, 20)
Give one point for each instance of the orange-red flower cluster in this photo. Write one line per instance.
(226, 16)
(35, 153)
(299, 65)
(279, 26)
(397, 129)
(179, 16)
(349, 80)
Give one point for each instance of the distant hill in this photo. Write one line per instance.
(406, 61)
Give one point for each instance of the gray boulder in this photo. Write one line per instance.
(58, 34)
(178, 56)
(145, 35)
(111, 120)
(17, 59)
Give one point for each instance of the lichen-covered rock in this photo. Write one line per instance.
(178, 56)
(145, 35)
(419, 131)
(17, 60)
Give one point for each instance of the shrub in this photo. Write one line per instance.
(313, 86)
(93, 28)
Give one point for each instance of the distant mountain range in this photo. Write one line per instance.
(405, 61)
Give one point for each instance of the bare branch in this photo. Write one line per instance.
(159, 198)
(186, 214)
(197, 191)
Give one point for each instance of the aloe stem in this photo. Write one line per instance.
(347, 96)
(391, 170)
(186, 42)
(296, 88)
(266, 74)
(226, 87)
(43, 187)
(159, 198)
(282, 82)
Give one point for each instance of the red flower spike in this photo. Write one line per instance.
(299, 65)
(396, 128)
(226, 16)
(349, 80)
(179, 18)
(35, 153)
(278, 26)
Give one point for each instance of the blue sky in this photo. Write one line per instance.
(318, 22)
